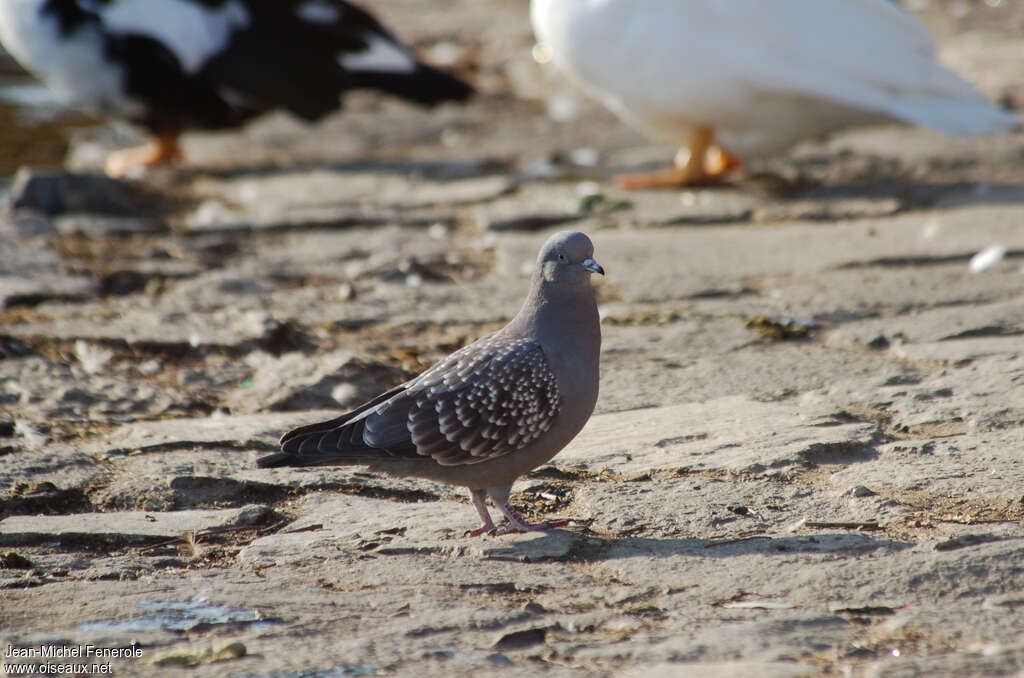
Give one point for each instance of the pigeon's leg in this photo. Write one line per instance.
(516, 523)
(480, 504)
(701, 162)
(163, 149)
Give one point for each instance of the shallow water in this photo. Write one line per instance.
(176, 615)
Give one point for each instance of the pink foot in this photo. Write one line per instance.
(486, 528)
(542, 526)
(516, 523)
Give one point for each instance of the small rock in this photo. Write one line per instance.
(55, 192)
(879, 343)
(148, 368)
(94, 358)
(123, 282)
(347, 291)
(519, 640)
(781, 328)
(12, 348)
(194, 657)
(15, 561)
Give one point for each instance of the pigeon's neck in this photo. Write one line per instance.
(555, 313)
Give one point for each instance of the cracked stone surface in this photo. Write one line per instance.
(806, 455)
(749, 438)
(127, 525)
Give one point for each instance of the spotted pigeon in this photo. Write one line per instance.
(491, 411)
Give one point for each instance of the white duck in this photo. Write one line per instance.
(723, 79)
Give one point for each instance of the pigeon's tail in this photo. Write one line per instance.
(338, 441)
(277, 460)
(331, 458)
(318, 458)
(328, 443)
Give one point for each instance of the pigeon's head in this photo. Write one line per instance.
(568, 256)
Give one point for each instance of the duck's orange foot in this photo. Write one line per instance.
(162, 150)
(711, 169)
(718, 162)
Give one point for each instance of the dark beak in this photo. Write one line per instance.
(592, 266)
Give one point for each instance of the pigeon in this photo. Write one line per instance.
(491, 411)
(173, 65)
(748, 78)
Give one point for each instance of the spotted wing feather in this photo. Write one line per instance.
(491, 398)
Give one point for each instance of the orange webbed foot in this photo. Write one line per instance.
(718, 162)
(162, 150)
(700, 164)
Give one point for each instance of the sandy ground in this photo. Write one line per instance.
(807, 454)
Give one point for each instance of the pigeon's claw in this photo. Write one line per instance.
(543, 526)
(486, 528)
(480, 504)
(516, 522)
(507, 529)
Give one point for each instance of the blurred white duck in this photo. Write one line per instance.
(725, 79)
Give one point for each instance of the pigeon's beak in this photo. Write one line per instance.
(592, 266)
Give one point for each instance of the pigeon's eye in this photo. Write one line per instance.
(561, 257)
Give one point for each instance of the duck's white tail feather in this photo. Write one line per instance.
(956, 117)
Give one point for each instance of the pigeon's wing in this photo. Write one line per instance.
(492, 397)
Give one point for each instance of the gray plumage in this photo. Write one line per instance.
(492, 410)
